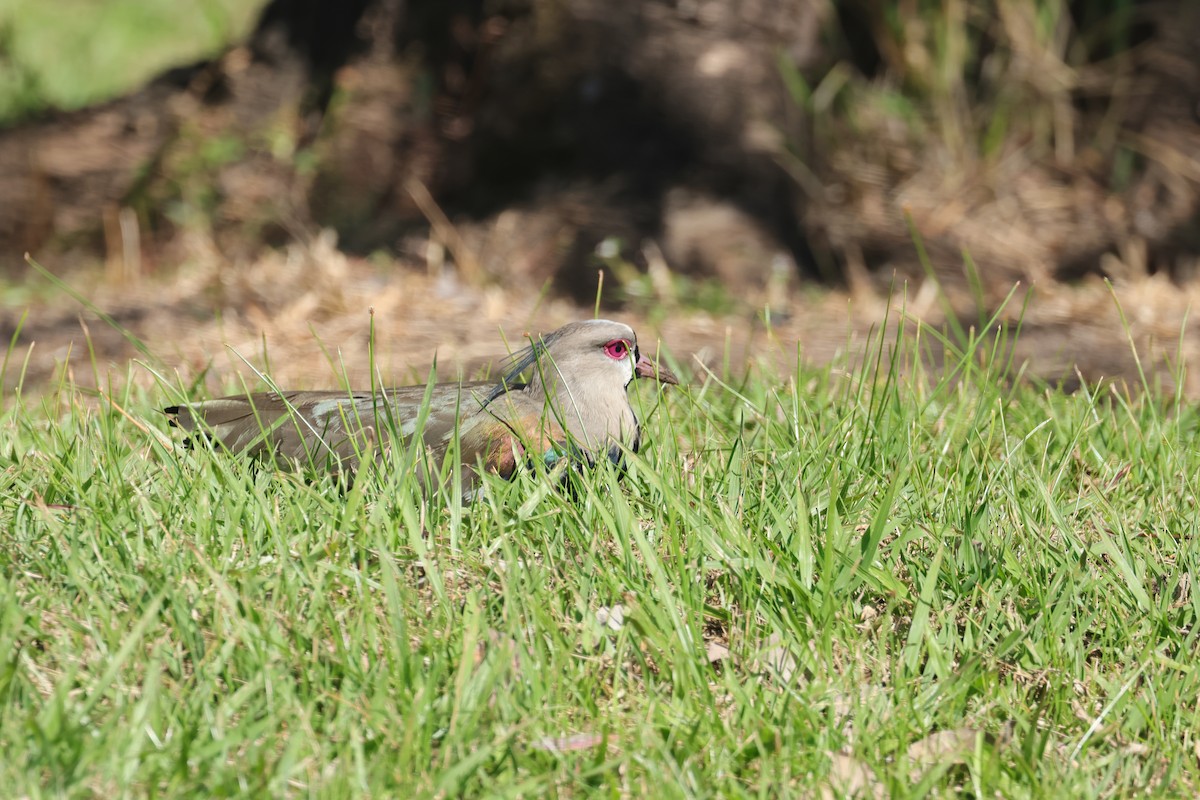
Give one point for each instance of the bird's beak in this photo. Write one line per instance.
(646, 368)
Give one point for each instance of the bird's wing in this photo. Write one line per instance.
(513, 430)
(334, 426)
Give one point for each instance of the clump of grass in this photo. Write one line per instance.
(803, 581)
(976, 76)
(973, 115)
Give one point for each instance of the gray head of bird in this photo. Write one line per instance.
(588, 360)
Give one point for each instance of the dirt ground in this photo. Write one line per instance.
(310, 310)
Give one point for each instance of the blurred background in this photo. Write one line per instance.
(752, 179)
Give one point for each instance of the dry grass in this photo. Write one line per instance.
(311, 309)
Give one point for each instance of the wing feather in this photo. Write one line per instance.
(336, 425)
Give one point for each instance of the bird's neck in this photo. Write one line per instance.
(595, 417)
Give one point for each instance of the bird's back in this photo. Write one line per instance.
(335, 428)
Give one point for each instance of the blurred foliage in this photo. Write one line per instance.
(657, 292)
(187, 192)
(20, 92)
(973, 73)
(976, 75)
(68, 53)
(945, 89)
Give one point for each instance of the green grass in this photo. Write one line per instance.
(891, 553)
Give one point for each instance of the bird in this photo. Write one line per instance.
(563, 397)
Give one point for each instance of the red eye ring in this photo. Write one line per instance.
(617, 349)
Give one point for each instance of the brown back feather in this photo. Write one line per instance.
(335, 425)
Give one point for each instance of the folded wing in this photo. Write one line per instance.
(332, 427)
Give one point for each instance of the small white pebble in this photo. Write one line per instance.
(613, 618)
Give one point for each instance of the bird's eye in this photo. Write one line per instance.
(617, 348)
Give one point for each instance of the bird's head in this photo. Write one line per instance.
(594, 356)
